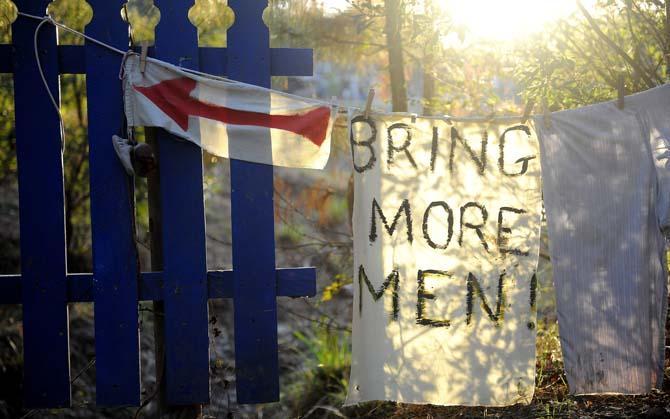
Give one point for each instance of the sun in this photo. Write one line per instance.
(508, 20)
(495, 20)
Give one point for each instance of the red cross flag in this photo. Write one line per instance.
(228, 118)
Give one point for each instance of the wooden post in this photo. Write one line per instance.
(164, 409)
(156, 247)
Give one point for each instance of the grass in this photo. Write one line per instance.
(319, 390)
(321, 387)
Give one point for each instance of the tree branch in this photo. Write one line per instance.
(594, 25)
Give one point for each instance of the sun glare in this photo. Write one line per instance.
(510, 19)
(494, 20)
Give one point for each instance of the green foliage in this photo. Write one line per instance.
(290, 233)
(143, 18)
(73, 13)
(337, 209)
(7, 135)
(324, 380)
(549, 369)
(212, 18)
(335, 286)
(75, 166)
(578, 61)
(8, 15)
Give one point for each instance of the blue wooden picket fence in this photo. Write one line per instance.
(45, 288)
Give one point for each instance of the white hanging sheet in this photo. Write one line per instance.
(446, 240)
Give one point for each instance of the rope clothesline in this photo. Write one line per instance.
(340, 109)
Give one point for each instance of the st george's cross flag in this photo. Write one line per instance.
(228, 118)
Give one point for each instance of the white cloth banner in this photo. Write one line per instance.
(446, 241)
(228, 118)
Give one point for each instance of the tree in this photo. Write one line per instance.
(579, 61)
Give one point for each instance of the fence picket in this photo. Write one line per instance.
(46, 371)
(45, 288)
(114, 254)
(255, 293)
(183, 221)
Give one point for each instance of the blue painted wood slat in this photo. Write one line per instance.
(291, 282)
(114, 253)
(183, 222)
(6, 58)
(284, 61)
(46, 369)
(252, 211)
(70, 59)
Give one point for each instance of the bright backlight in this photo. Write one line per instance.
(497, 20)
(506, 20)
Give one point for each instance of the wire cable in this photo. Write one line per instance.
(340, 109)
